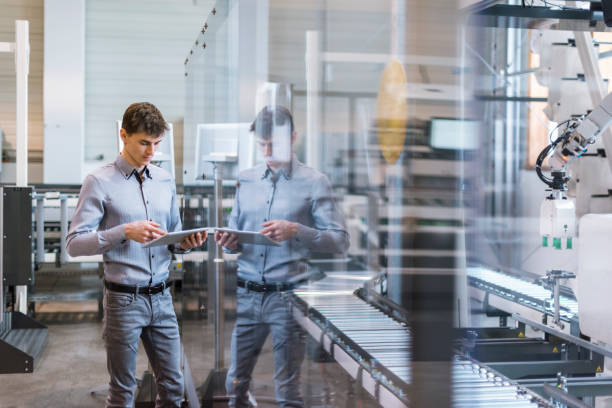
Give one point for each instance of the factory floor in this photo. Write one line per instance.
(73, 364)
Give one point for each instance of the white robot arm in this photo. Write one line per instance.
(574, 142)
(557, 212)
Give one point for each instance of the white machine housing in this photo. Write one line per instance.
(595, 276)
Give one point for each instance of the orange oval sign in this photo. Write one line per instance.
(392, 111)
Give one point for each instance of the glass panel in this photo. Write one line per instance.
(382, 146)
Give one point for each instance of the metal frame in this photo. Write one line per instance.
(578, 387)
(516, 16)
(21, 49)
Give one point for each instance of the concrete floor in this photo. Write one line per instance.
(74, 363)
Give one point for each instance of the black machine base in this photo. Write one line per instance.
(22, 340)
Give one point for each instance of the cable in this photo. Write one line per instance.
(538, 167)
(549, 182)
(557, 127)
(561, 7)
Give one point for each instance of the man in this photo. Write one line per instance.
(292, 204)
(122, 205)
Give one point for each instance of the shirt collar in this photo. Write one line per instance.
(287, 170)
(127, 170)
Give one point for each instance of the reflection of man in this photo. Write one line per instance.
(292, 204)
(122, 205)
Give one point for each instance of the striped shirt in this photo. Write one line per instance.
(112, 196)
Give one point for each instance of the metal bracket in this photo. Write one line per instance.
(552, 282)
(562, 335)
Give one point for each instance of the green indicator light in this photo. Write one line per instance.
(557, 243)
(569, 243)
(544, 241)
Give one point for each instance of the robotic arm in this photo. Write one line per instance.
(557, 212)
(574, 141)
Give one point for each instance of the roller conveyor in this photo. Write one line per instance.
(521, 292)
(376, 349)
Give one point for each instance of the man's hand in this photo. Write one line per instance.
(143, 231)
(194, 240)
(227, 240)
(279, 230)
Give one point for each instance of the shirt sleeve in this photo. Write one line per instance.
(84, 238)
(233, 221)
(329, 231)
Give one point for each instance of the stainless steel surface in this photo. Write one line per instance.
(219, 278)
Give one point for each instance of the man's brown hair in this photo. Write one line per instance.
(269, 117)
(144, 117)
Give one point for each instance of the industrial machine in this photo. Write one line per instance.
(22, 339)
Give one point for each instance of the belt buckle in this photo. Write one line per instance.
(150, 290)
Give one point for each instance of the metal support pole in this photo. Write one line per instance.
(210, 264)
(22, 62)
(40, 228)
(398, 16)
(313, 100)
(552, 282)
(219, 278)
(372, 237)
(63, 228)
(556, 301)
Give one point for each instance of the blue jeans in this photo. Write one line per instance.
(128, 317)
(257, 314)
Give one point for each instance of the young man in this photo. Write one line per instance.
(292, 204)
(122, 205)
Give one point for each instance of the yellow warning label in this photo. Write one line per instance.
(521, 334)
(598, 369)
(555, 350)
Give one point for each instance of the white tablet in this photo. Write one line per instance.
(250, 237)
(172, 237)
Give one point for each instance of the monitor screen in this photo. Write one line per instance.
(454, 134)
(231, 143)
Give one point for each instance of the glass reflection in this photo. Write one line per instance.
(413, 138)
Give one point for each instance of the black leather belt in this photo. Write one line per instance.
(142, 290)
(265, 287)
